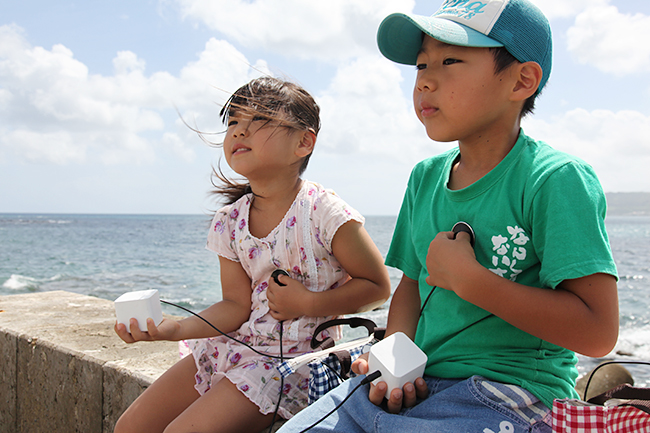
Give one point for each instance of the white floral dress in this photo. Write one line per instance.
(302, 245)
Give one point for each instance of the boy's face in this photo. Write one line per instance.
(457, 95)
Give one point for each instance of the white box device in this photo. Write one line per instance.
(399, 359)
(139, 305)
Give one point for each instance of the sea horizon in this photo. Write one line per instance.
(106, 255)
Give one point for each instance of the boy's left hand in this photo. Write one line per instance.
(289, 301)
(447, 258)
(399, 398)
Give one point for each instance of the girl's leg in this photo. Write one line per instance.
(163, 401)
(222, 409)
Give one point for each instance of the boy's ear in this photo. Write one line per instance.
(307, 143)
(529, 75)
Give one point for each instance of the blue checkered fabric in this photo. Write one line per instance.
(324, 372)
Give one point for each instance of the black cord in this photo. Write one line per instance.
(365, 381)
(426, 300)
(281, 358)
(460, 226)
(277, 406)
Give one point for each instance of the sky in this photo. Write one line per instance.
(96, 97)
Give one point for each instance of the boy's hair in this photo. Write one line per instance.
(516, 25)
(502, 60)
(275, 100)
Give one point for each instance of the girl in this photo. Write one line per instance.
(274, 221)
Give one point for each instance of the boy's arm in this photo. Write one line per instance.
(580, 314)
(368, 287)
(403, 316)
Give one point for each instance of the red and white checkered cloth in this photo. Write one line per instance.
(576, 416)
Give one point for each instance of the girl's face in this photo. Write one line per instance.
(256, 147)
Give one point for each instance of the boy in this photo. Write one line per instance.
(500, 322)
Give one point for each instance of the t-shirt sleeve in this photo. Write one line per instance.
(221, 237)
(570, 237)
(330, 212)
(402, 253)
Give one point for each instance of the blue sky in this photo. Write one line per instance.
(91, 91)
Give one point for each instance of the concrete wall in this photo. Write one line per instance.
(63, 368)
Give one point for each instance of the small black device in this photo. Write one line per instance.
(276, 274)
(462, 226)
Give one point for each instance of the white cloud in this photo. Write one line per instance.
(566, 9)
(616, 144)
(127, 61)
(327, 30)
(54, 110)
(613, 42)
(371, 138)
(54, 147)
(365, 113)
(179, 147)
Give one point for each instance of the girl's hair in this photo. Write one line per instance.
(276, 100)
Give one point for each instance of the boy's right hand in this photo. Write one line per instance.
(166, 330)
(399, 398)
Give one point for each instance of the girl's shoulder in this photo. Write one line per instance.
(327, 204)
(321, 197)
(315, 191)
(233, 211)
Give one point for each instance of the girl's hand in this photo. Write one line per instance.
(447, 258)
(167, 330)
(399, 398)
(289, 301)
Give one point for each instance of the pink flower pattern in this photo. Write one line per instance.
(253, 252)
(235, 358)
(230, 238)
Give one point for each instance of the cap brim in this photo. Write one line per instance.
(400, 36)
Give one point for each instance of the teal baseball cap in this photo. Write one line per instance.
(517, 25)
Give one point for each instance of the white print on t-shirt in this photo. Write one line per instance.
(504, 427)
(508, 251)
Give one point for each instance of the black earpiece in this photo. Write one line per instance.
(462, 226)
(276, 274)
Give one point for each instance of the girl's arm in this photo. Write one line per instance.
(227, 314)
(580, 314)
(368, 287)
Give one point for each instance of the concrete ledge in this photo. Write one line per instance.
(64, 369)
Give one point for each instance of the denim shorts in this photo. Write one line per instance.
(469, 405)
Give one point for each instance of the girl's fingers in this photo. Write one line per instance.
(151, 328)
(136, 333)
(121, 332)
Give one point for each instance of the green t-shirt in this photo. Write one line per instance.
(538, 217)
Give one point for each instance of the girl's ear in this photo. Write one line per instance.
(529, 75)
(306, 144)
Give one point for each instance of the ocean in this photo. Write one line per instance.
(107, 255)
